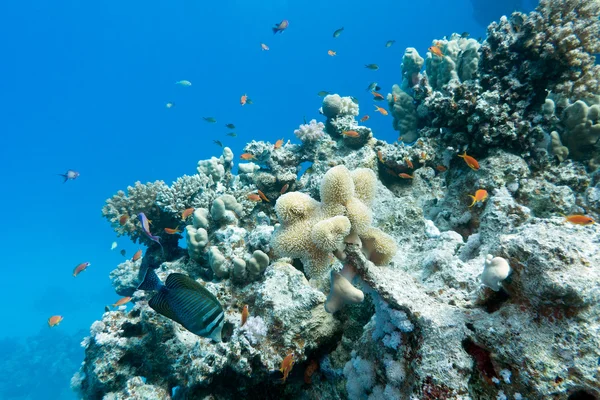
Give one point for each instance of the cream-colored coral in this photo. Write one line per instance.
(314, 231)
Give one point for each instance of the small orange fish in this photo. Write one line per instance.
(172, 231)
(253, 197)
(405, 176)
(363, 119)
(381, 110)
(380, 156)
(436, 50)
(331, 53)
(471, 162)
(264, 47)
(80, 268)
(244, 99)
(124, 218)
(441, 168)
(278, 144)
(262, 196)
(480, 196)
(409, 163)
(309, 371)
(395, 99)
(122, 301)
(54, 320)
(286, 365)
(137, 255)
(248, 156)
(187, 212)
(377, 95)
(579, 219)
(284, 188)
(352, 134)
(245, 314)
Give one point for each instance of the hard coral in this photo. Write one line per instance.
(312, 231)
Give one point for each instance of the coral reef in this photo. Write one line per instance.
(371, 267)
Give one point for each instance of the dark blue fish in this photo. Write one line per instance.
(70, 175)
(146, 228)
(186, 302)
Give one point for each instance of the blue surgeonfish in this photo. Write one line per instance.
(186, 302)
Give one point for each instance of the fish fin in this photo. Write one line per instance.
(182, 281)
(65, 176)
(150, 281)
(160, 303)
(275, 30)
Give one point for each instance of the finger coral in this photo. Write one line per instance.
(312, 230)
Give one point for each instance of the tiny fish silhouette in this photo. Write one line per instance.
(70, 175)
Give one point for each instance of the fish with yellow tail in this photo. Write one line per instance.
(470, 161)
(480, 196)
(184, 301)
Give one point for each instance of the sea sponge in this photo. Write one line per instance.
(343, 215)
(496, 269)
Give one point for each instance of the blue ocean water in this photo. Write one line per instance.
(83, 86)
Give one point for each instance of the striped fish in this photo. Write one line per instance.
(186, 302)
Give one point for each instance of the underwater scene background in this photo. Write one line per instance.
(344, 200)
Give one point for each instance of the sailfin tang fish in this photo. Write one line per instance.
(149, 279)
(190, 304)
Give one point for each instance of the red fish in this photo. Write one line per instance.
(284, 188)
(245, 314)
(137, 255)
(377, 95)
(352, 134)
(54, 320)
(124, 218)
(280, 27)
(248, 156)
(471, 162)
(122, 301)
(286, 365)
(380, 110)
(441, 168)
(278, 144)
(405, 176)
(436, 50)
(262, 196)
(244, 99)
(253, 197)
(187, 212)
(409, 163)
(363, 119)
(480, 196)
(80, 268)
(309, 371)
(171, 231)
(579, 219)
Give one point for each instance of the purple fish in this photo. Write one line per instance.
(70, 175)
(146, 228)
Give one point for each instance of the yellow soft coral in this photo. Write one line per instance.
(313, 231)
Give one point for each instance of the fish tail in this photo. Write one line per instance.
(65, 176)
(150, 281)
(474, 201)
(275, 30)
